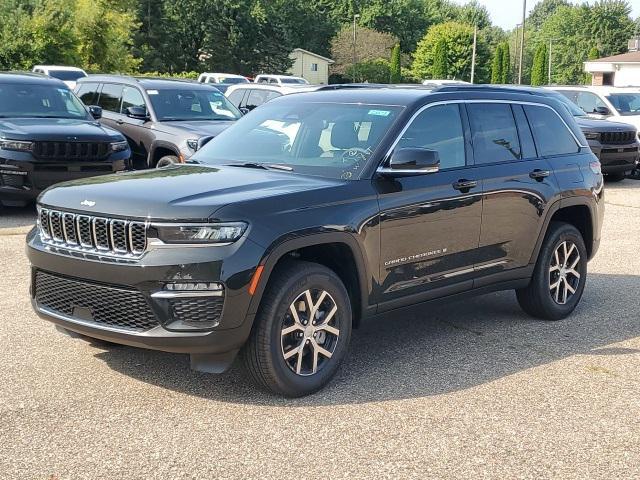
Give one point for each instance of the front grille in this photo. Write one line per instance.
(618, 137)
(92, 234)
(197, 311)
(15, 181)
(71, 150)
(112, 306)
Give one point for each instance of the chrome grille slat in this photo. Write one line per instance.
(92, 234)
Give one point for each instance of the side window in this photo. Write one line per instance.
(551, 134)
(273, 80)
(263, 80)
(493, 132)
(256, 98)
(110, 97)
(588, 101)
(314, 67)
(526, 138)
(131, 97)
(235, 97)
(88, 93)
(270, 95)
(438, 128)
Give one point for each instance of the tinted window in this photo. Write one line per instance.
(551, 134)
(588, 101)
(131, 97)
(236, 97)
(526, 139)
(88, 93)
(68, 75)
(39, 101)
(110, 97)
(494, 132)
(171, 104)
(438, 128)
(627, 103)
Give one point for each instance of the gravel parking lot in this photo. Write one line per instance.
(471, 390)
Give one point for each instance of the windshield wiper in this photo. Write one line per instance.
(262, 166)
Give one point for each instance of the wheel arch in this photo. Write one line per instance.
(159, 150)
(339, 252)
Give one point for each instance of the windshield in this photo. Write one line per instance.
(233, 80)
(71, 75)
(574, 110)
(298, 81)
(627, 103)
(196, 104)
(323, 139)
(32, 100)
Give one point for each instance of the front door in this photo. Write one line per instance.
(430, 224)
(134, 129)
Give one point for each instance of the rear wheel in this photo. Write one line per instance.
(559, 276)
(302, 330)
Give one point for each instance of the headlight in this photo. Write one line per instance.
(206, 233)
(119, 146)
(16, 145)
(192, 143)
(592, 135)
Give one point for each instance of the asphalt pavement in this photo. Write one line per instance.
(472, 390)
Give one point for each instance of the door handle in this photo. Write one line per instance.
(539, 175)
(119, 121)
(464, 185)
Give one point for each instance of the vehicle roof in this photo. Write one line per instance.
(284, 89)
(28, 77)
(604, 89)
(278, 76)
(60, 67)
(147, 82)
(230, 75)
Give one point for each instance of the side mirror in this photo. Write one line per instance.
(139, 113)
(244, 110)
(95, 111)
(602, 111)
(412, 161)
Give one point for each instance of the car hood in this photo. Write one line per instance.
(596, 125)
(176, 193)
(200, 128)
(55, 129)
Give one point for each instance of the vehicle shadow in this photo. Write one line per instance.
(15, 217)
(424, 351)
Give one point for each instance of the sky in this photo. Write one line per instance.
(508, 13)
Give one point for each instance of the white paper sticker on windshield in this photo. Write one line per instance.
(379, 113)
(152, 92)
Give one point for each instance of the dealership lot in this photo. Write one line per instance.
(475, 390)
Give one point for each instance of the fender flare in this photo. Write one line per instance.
(160, 144)
(279, 248)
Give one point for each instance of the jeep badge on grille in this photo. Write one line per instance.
(87, 203)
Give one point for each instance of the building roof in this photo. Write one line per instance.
(629, 57)
(313, 54)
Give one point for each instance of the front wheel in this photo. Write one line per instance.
(302, 330)
(559, 276)
(167, 160)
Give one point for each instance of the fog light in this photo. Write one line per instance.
(194, 287)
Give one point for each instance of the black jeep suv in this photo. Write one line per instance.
(316, 212)
(47, 135)
(165, 121)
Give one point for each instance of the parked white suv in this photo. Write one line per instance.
(68, 75)
(617, 104)
(281, 80)
(227, 78)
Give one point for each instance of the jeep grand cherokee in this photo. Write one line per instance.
(316, 212)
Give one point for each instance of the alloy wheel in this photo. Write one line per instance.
(310, 332)
(564, 277)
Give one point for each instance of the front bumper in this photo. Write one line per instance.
(230, 265)
(618, 158)
(21, 181)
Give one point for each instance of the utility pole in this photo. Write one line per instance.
(355, 17)
(473, 56)
(550, 45)
(515, 54)
(524, 16)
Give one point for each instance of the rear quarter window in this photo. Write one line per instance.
(551, 135)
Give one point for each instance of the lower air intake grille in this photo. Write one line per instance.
(110, 306)
(198, 311)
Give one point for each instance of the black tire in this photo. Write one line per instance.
(615, 177)
(264, 353)
(537, 298)
(167, 160)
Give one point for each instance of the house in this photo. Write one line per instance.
(619, 70)
(310, 66)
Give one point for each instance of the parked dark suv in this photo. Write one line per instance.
(316, 212)
(47, 135)
(165, 121)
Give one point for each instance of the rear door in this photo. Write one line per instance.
(430, 223)
(110, 100)
(517, 185)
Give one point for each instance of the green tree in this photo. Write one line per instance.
(372, 71)
(474, 14)
(506, 63)
(543, 10)
(370, 45)
(594, 53)
(538, 71)
(496, 65)
(395, 69)
(446, 50)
